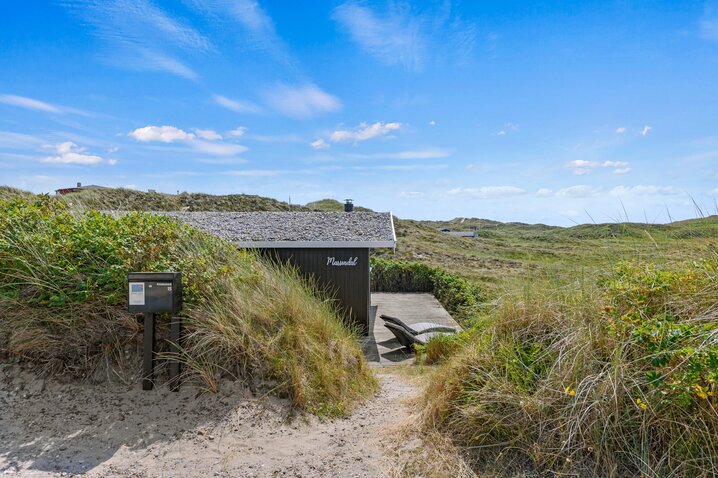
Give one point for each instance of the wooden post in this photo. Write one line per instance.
(148, 359)
(175, 365)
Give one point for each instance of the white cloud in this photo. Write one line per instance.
(301, 101)
(69, 153)
(171, 134)
(645, 130)
(486, 192)
(430, 153)
(237, 132)
(29, 103)
(579, 191)
(208, 134)
(432, 123)
(319, 143)
(364, 132)
(714, 192)
(544, 193)
(642, 190)
(236, 106)
(164, 134)
(501, 133)
(581, 167)
(620, 130)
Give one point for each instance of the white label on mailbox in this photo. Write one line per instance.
(137, 293)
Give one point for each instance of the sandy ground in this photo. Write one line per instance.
(51, 429)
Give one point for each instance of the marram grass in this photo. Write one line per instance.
(63, 306)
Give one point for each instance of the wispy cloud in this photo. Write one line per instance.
(208, 134)
(620, 130)
(257, 27)
(141, 35)
(412, 194)
(486, 192)
(301, 102)
(578, 191)
(646, 130)
(319, 144)
(403, 36)
(581, 167)
(235, 105)
(643, 190)
(364, 132)
(237, 132)
(29, 103)
(430, 153)
(394, 38)
(38, 105)
(411, 167)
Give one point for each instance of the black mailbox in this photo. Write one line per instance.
(154, 292)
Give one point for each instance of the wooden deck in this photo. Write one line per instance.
(381, 347)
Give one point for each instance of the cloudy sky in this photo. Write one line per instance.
(554, 112)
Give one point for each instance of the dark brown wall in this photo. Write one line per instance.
(350, 284)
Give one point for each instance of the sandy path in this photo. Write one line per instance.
(104, 431)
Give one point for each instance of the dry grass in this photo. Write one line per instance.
(63, 306)
(551, 387)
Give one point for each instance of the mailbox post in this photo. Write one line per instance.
(150, 293)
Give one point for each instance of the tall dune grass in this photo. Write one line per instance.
(63, 305)
(614, 377)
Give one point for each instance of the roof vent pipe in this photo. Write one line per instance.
(348, 205)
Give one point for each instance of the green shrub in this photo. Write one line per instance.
(459, 296)
(617, 379)
(63, 304)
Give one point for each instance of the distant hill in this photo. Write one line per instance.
(128, 199)
(8, 192)
(331, 205)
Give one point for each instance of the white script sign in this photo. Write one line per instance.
(352, 261)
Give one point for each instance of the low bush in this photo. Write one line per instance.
(63, 304)
(616, 378)
(459, 296)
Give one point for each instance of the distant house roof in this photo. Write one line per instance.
(78, 188)
(296, 229)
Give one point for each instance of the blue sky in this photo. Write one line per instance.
(553, 112)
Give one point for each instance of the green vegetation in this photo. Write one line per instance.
(330, 205)
(63, 305)
(459, 296)
(8, 192)
(504, 253)
(610, 374)
(131, 200)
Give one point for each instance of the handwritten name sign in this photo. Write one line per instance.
(351, 262)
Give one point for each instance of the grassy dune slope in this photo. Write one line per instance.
(63, 305)
(512, 251)
(131, 200)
